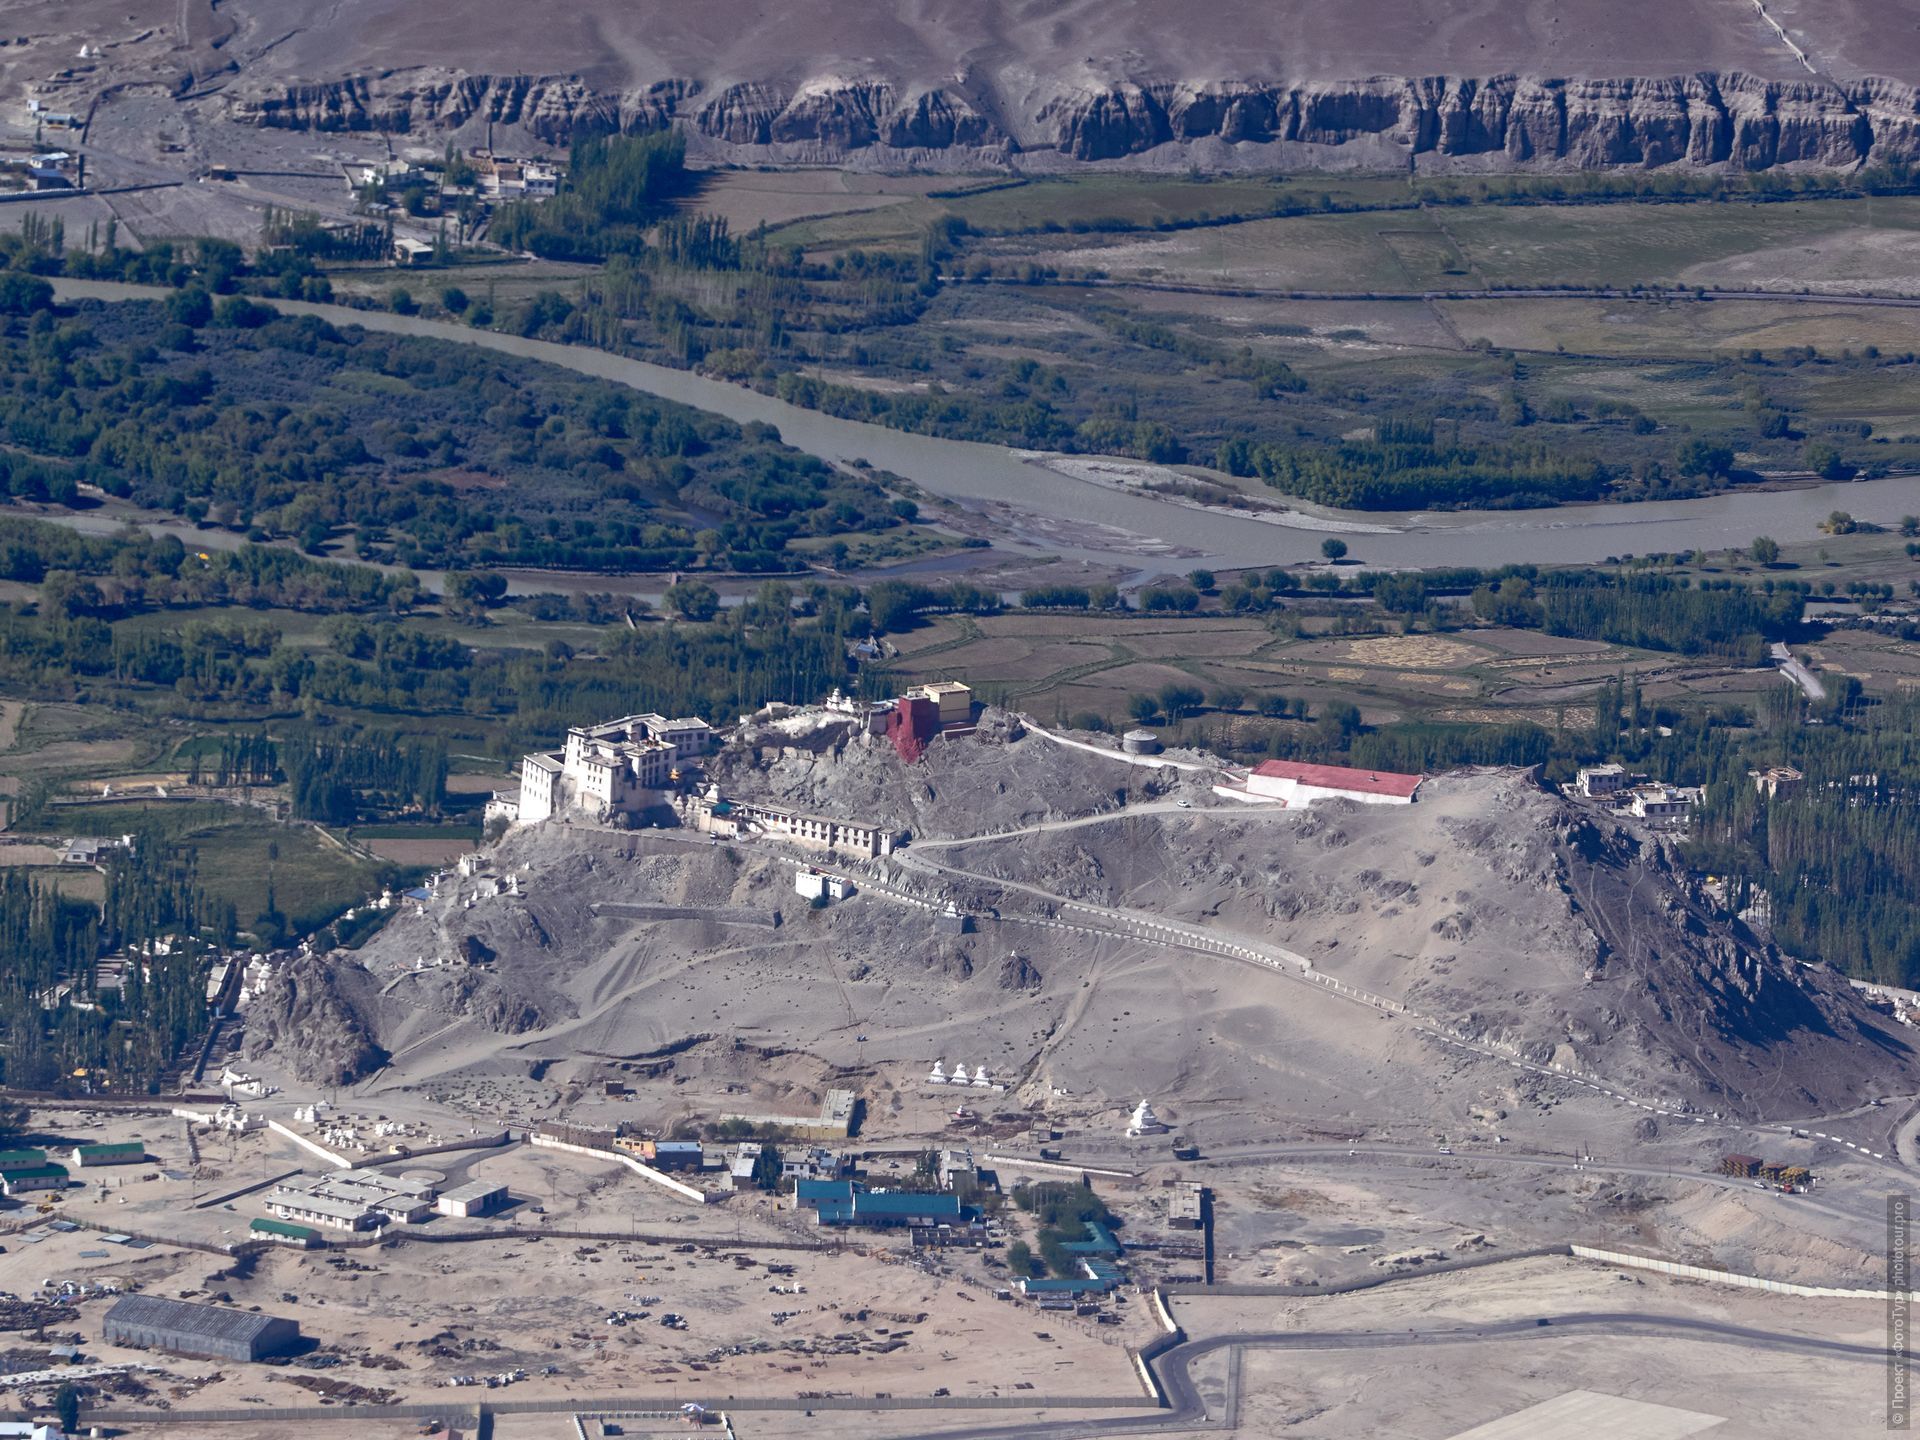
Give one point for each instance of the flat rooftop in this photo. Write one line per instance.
(1341, 777)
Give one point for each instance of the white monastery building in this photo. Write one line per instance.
(610, 770)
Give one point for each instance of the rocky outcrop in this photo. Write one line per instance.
(552, 109)
(1697, 120)
(306, 1021)
(1743, 121)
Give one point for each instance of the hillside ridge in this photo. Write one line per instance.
(1735, 119)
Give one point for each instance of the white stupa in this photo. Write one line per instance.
(981, 1080)
(938, 1075)
(960, 1076)
(1144, 1121)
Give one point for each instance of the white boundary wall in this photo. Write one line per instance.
(646, 1172)
(1147, 1382)
(1145, 762)
(1058, 1167)
(312, 1146)
(1163, 1314)
(1723, 1277)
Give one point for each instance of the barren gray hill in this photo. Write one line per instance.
(1513, 914)
(1049, 83)
(1488, 906)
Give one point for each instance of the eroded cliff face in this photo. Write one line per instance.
(1737, 120)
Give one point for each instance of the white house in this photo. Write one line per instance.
(1596, 781)
(813, 1163)
(1662, 802)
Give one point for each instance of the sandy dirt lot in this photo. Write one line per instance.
(410, 1318)
(420, 852)
(1431, 1392)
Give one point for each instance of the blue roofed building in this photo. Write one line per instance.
(1098, 1255)
(1099, 1241)
(809, 1193)
(848, 1203)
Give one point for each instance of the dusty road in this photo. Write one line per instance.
(1798, 673)
(1174, 1369)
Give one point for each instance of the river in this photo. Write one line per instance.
(1044, 511)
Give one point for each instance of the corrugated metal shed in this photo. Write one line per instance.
(213, 1331)
(131, 1152)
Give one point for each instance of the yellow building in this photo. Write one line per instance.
(954, 699)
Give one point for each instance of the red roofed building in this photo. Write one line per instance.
(1298, 784)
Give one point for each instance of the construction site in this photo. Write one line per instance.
(1108, 1075)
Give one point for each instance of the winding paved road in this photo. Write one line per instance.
(1798, 673)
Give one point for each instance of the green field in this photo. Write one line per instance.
(1679, 328)
(238, 853)
(1085, 203)
(1828, 245)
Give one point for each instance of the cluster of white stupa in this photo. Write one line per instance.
(978, 1080)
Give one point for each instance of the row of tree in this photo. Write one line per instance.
(58, 1017)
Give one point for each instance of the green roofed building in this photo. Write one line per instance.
(21, 1179)
(284, 1232)
(132, 1152)
(16, 1159)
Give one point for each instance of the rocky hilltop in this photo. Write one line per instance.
(1521, 920)
(1741, 120)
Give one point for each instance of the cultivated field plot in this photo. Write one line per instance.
(1881, 663)
(312, 874)
(1080, 203)
(1337, 253)
(496, 283)
(1774, 246)
(1065, 665)
(1676, 328)
(1038, 655)
(1293, 328)
(1412, 652)
(49, 739)
(1824, 245)
(746, 199)
(416, 849)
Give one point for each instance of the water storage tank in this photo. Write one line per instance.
(1140, 742)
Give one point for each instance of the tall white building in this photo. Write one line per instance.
(609, 770)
